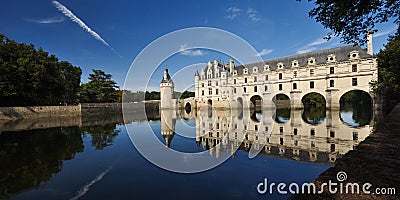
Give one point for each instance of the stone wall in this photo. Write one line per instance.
(38, 112)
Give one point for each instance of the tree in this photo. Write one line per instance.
(388, 84)
(100, 89)
(33, 77)
(352, 19)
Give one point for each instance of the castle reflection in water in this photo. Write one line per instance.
(319, 136)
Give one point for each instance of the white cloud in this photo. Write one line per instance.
(385, 32)
(252, 14)
(184, 50)
(47, 20)
(264, 52)
(232, 12)
(85, 27)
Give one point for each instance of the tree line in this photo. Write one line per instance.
(30, 77)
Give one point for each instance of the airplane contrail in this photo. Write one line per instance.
(85, 27)
(86, 188)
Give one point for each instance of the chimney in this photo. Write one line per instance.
(231, 65)
(370, 49)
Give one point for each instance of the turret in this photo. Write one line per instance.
(166, 91)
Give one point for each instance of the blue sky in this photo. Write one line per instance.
(124, 28)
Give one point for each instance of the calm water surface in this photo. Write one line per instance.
(97, 160)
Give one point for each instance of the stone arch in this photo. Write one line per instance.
(304, 98)
(281, 99)
(256, 101)
(240, 102)
(188, 107)
(209, 102)
(356, 108)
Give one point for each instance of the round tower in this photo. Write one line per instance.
(166, 91)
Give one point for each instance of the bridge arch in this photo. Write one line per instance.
(356, 108)
(281, 99)
(256, 101)
(313, 99)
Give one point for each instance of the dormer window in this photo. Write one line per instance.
(311, 61)
(235, 72)
(280, 65)
(354, 55)
(255, 69)
(331, 58)
(266, 68)
(295, 63)
(245, 71)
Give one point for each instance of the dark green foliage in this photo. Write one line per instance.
(388, 84)
(103, 135)
(33, 77)
(100, 89)
(31, 158)
(352, 19)
(314, 100)
(184, 95)
(152, 95)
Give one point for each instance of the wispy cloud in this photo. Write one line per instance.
(47, 20)
(232, 12)
(184, 50)
(252, 14)
(385, 32)
(85, 27)
(312, 46)
(264, 52)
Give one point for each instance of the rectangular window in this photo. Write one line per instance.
(255, 79)
(255, 127)
(280, 76)
(332, 134)
(265, 88)
(280, 87)
(355, 135)
(354, 68)
(202, 93)
(295, 73)
(331, 70)
(234, 81)
(266, 77)
(209, 91)
(202, 84)
(294, 86)
(311, 84)
(244, 89)
(234, 90)
(245, 80)
(216, 83)
(311, 72)
(331, 83)
(281, 129)
(216, 91)
(312, 132)
(295, 131)
(255, 88)
(209, 83)
(333, 147)
(354, 81)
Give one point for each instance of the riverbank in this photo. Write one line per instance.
(36, 112)
(376, 160)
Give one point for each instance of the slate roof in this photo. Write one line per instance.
(341, 53)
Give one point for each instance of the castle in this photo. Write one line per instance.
(330, 73)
